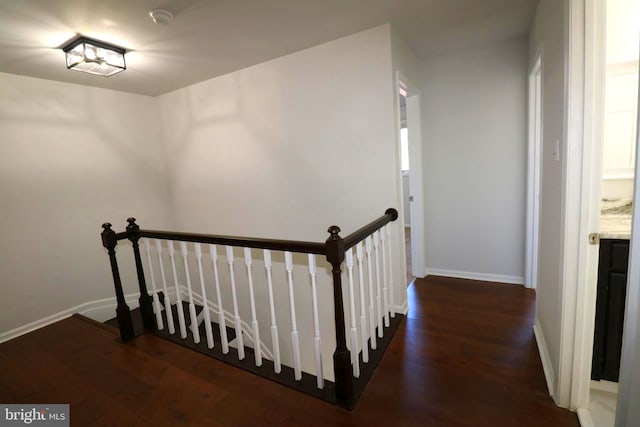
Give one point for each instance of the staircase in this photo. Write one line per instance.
(172, 314)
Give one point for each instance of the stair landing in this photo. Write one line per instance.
(307, 384)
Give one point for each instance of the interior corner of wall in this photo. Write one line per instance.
(547, 365)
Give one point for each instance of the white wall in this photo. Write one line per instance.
(288, 147)
(548, 37)
(71, 158)
(474, 130)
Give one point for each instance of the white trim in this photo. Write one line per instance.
(93, 309)
(500, 278)
(584, 416)
(587, 32)
(574, 217)
(534, 167)
(618, 177)
(104, 309)
(603, 385)
(402, 308)
(547, 366)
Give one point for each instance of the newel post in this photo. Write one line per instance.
(146, 302)
(123, 314)
(342, 356)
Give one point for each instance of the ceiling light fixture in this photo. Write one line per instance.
(161, 16)
(94, 57)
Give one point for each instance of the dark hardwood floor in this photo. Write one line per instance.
(464, 356)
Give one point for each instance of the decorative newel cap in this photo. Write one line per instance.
(392, 212)
(334, 230)
(132, 224)
(109, 240)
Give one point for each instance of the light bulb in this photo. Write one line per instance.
(89, 53)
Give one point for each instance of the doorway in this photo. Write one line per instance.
(619, 117)
(405, 170)
(612, 34)
(410, 168)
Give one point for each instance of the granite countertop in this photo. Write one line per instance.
(615, 218)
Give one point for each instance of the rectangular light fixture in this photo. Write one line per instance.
(94, 57)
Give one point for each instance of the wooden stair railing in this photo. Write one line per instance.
(352, 368)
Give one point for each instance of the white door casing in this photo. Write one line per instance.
(534, 159)
(586, 288)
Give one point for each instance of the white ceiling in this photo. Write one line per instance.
(208, 38)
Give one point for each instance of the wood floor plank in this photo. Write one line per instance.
(464, 356)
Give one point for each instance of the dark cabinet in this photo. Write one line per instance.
(610, 304)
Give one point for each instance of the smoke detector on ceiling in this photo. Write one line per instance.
(161, 16)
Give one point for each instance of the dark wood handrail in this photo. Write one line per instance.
(359, 235)
(272, 244)
(247, 242)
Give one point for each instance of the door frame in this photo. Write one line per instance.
(534, 160)
(582, 175)
(585, 116)
(592, 32)
(416, 183)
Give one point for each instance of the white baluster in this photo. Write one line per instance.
(385, 289)
(392, 303)
(254, 320)
(316, 323)
(288, 260)
(272, 311)
(355, 362)
(376, 250)
(221, 320)
(363, 314)
(192, 307)
(236, 315)
(205, 303)
(167, 301)
(156, 301)
(222, 324)
(179, 307)
(372, 315)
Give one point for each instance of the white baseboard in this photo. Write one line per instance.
(605, 386)
(105, 309)
(100, 310)
(402, 309)
(40, 323)
(547, 367)
(584, 416)
(499, 278)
